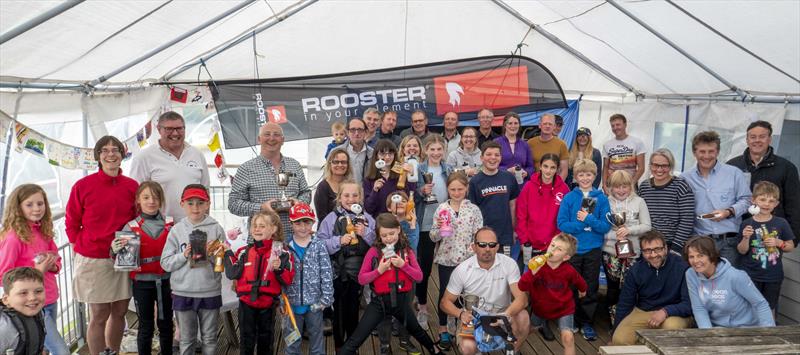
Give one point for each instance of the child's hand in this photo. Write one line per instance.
(407, 167)
(384, 265)
(48, 261)
(582, 215)
(345, 239)
(771, 242)
(276, 263)
(117, 244)
(622, 233)
(378, 184)
(187, 251)
(747, 232)
(397, 261)
(412, 222)
(581, 294)
(360, 229)
(427, 189)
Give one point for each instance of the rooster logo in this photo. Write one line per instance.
(454, 91)
(276, 115)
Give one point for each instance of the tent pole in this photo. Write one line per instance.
(278, 18)
(38, 20)
(680, 50)
(685, 137)
(567, 48)
(164, 46)
(8, 151)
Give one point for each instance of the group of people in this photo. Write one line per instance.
(480, 206)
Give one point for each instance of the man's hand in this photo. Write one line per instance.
(720, 214)
(465, 317)
(656, 318)
(267, 205)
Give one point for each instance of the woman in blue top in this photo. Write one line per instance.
(721, 295)
(514, 151)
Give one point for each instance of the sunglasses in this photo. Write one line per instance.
(485, 245)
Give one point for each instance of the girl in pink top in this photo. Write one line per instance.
(27, 240)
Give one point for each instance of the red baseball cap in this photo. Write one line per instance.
(194, 192)
(301, 210)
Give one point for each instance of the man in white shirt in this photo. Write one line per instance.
(493, 278)
(172, 162)
(623, 152)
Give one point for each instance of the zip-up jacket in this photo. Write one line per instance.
(589, 232)
(313, 276)
(257, 284)
(652, 288)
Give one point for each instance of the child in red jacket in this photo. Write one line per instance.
(260, 269)
(552, 286)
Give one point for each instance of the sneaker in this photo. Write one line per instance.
(422, 318)
(395, 327)
(445, 341)
(588, 332)
(327, 327)
(386, 349)
(409, 347)
(546, 333)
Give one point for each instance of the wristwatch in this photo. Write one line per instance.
(731, 211)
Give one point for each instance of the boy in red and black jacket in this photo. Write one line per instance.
(260, 269)
(552, 286)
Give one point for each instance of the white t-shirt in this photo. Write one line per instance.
(492, 286)
(622, 154)
(156, 164)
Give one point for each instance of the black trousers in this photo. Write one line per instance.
(588, 266)
(346, 299)
(379, 309)
(145, 296)
(444, 278)
(425, 259)
(255, 329)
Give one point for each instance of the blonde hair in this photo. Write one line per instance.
(432, 139)
(329, 163)
(622, 178)
(584, 166)
(358, 186)
(405, 141)
(572, 243)
(587, 151)
(337, 126)
(14, 219)
(271, 218)
(767, 188)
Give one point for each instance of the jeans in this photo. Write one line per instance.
(145, 296)
(588, 266)
(207, 320)
(53, 342)
(313, 323)
(255, 330)
(727, 248)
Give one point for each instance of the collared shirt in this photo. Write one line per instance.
(725, 186)
(173, 173)
(452, 143)
(492, 286)
(255, 182)
(358, 160)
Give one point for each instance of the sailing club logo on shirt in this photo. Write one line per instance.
(494, 190)
(192, 164)
(559, 198)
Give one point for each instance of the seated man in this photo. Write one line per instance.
(493, 278)
(650, 298)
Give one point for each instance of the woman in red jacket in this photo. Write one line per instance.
(100, 205)
(537, 208)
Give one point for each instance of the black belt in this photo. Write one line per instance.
(724, 235)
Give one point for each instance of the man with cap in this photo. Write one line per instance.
(255, 186)
(559, 125)
(582, 149)
(312, 292)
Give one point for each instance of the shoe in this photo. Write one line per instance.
(409, 347)
(386, 349)
(445, 341)
(422, 318)
(588, 332)
(546, 333)
(327, 327)
(395, 327)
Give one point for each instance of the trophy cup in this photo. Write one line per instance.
(283, 204)
(469, 302)
(588, 204)
(624, 248)
(428, 178)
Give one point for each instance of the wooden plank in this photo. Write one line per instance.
(789, 331)
(626, 350)
(739, 349)
(791, 289)
(791, 269)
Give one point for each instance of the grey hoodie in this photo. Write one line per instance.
(198, 282)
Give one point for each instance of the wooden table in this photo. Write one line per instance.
(767, 340)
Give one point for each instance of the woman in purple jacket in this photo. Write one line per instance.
(515, 152)
(380, 182)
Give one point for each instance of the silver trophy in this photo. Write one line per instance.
(469, 302)
(428, 178)
(283, 204)
(624, 248)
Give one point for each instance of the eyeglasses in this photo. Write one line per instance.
(173, 129)
(339, 162)
(356, 130)
(484, 117)
(385, 154)
(485, 245)
(653, 250)
(109, 151)
(660, 166)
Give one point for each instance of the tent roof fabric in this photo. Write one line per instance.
(94, 38)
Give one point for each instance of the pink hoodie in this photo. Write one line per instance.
(537, 209)
(14, 253)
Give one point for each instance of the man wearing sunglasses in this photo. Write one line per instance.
(493, 278)
(650, 298)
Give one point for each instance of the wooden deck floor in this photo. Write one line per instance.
(534, 344)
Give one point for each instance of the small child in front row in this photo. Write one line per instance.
(397, 206)
(21, 317)
(266, 264)
(196, 288)
(311, 291)
(339, 136)
(773, 237)
(550, 289)
(391, 273)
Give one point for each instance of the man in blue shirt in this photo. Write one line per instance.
(721, 195)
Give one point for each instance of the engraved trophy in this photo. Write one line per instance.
(428, 178)
(470, 302)
(624, 248)
(283, 204)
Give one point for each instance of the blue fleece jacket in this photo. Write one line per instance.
(313, 278)
(650, 289)
(727, 299)
(590, 232)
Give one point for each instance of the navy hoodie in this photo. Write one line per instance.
(649, 289)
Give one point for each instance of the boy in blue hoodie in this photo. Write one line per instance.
(582, 214)
(311, 291)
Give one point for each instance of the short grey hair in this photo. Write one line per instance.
(371, 110)
(664, 152)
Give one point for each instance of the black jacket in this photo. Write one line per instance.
(778, 171)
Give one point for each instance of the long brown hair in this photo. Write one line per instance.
(388, 220)
(14, 219)
(155, 189)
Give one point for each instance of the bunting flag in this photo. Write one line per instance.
(215, 147)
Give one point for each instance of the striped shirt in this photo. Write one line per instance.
(671, 209)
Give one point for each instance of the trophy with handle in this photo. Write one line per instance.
(470, 302)
(431, 198)
(283, 204)
(624, 248)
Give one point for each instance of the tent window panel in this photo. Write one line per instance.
(786, 143)
(670, 136)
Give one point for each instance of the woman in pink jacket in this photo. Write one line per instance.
(537, 208)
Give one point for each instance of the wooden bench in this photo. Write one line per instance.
(625, 350)
(760, 340)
